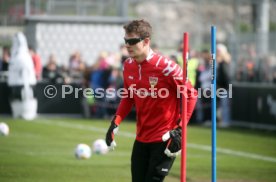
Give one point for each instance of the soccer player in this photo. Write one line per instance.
(153, 83)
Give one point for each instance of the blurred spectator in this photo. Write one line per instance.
(239, 75)
(37, 63)
(51, 72)
(203, 82)
(193, 62)
(253, 68)
(76, 67)
(96, 76)
(115, 82)
(99, 80)
(266, 68)
(76, 63)
(250, 71)
(192, 66)
(4, 61)
(223, 81)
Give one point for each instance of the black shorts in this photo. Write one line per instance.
(149, 163)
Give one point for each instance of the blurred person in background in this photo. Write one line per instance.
(115, 82)
(265, 68)
(193, 62)
(4, 61)
(192, 66)
(203, 83)
(22, 79)
(159, 127)
(223, 81)
(76, 67)
(99, 80)
(239, 72)
(76, 63)
(52, 72)
(36, 62)
(251, 75)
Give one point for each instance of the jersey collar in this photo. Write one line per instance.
(150, 55)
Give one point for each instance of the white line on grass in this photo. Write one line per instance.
(190, 145)
(232, 152)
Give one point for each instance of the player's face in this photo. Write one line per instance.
(136, 46)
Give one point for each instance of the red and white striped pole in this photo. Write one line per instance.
(184, 107)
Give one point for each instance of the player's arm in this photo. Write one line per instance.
(174, 136)
(175, 74)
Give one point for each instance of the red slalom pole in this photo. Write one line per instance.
(184, 108)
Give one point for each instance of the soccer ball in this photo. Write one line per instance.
(83, 151)
(4, 129)
(100, 147)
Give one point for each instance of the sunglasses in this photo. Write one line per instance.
(133, 41)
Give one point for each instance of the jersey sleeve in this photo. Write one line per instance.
(175, 74)
(125, 104)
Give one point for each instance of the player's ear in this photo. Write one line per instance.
(146, 41)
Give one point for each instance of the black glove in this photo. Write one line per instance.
(174, 144)
(109, 138)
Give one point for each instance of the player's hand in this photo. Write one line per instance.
(109, 139)
(174, 144)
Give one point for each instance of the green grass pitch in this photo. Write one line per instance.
(43, 151)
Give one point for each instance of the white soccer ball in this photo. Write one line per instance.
(4, 129)
(83, 151)
(100, 147)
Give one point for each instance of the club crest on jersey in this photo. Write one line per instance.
(153, 81)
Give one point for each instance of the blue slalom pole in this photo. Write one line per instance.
(214, 103)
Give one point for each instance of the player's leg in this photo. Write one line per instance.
(159, 164)
(139, 161)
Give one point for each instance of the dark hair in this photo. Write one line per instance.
(139, 27)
